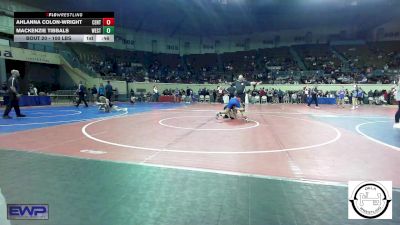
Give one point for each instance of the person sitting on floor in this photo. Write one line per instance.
(104, 104)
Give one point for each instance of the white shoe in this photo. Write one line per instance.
(353, 107)
(396, 125)
(356, 107)
(317, 107)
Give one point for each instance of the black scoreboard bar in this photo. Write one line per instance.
(64, 26)
(57, 22)
(58, 30)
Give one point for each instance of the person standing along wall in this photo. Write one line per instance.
(102, 90)
(231, 90)
(354, 98)
(397, 115)
(340, 96)
(155, 94)
(94, 93)
(109, 90)
(116, 94)
(314, 97)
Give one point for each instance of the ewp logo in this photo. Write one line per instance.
(27, 212)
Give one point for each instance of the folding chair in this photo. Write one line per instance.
(207, 98)
(346, 100)
(370, 100)
(201, 98)
(263, 99)
(225, 99)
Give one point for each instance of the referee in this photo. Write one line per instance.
(12, 91)
(240, 86)
(314, 97)
(81, 93)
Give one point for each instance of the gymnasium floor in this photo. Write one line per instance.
(177, 164)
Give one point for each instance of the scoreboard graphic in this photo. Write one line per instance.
(64, 26)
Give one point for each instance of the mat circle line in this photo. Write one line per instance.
(76, 112)
(60, 121)
(373, 139)
(336, 138)
(161, 122)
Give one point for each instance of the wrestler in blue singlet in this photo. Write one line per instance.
(233, 102)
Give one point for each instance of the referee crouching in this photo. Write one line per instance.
(12, 91)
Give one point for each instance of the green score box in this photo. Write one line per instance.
(108, 30)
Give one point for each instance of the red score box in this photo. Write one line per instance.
(108, 21)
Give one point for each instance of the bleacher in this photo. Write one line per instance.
(387, 53)
(278, 57)
(241, 61)
(318, 57)
(272, 65)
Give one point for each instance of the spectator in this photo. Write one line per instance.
(94, 93)
(397, 115)
(32, 90)
(176, 95)
(231, 90)
(109, 90)
(116, 94)
(156, 95)
(188, 95)
(214, 94)
(102, 90)
(262, 92)
(132, 96)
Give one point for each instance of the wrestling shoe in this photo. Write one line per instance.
(396, 125)
(7, 117)
(217, 116)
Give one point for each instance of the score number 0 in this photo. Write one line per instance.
(108, 25)
(108, 21)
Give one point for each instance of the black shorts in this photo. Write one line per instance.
(242, 97)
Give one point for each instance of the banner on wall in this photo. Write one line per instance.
(29, 55)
